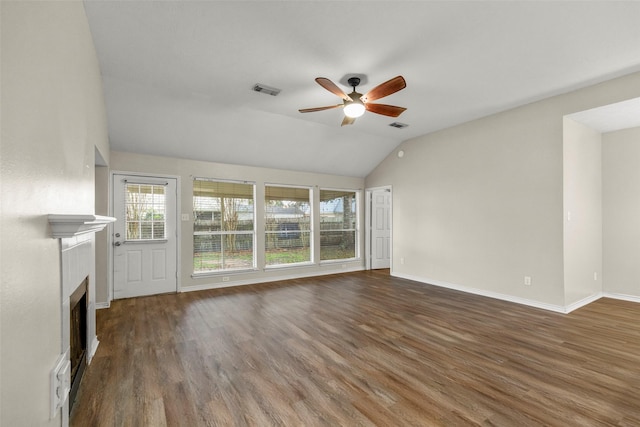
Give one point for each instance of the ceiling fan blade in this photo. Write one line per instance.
(347, 121)
(311, 110)
(384, 109)
(331, 87)
(385, 89)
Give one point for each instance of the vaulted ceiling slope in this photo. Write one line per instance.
(178, 76)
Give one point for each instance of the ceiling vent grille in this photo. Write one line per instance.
(259, 87)
(398, 125)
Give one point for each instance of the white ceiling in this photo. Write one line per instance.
(178, 75)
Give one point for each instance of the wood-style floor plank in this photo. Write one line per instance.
(360, 349)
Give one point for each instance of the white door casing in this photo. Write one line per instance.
(380, 228)
(144, 235)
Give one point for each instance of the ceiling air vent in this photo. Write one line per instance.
(258, 87)
(398, 125)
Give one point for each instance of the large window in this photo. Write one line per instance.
(338, 225)
(223, 226)
(287, 225)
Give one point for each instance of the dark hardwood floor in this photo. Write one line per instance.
(359, 349)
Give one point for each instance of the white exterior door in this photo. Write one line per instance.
(144, 239)
(381, 229)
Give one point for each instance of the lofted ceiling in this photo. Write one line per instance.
(178, 76)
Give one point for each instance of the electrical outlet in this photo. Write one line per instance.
(595, 275)
(402, 260)
(185, 217)
(225, 278)
(527, 280)
(60, 383)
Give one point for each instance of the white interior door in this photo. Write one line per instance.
(144, 239)
(380, 229)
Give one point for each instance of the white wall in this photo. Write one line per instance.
(187, 169)
(480, 205)
(101, 237)
(582, 174)
(53, 117)
(621, 212)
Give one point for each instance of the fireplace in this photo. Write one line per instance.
(78, 307)
(78, 304)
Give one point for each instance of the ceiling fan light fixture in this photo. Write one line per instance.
(354, 109)
(355, 104)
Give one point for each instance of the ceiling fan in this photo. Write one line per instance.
(355, 103)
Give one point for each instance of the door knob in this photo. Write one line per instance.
(117, 244)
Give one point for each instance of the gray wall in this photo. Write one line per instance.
(102, 237)
(480, 205)
(583, 212)
(621, 212)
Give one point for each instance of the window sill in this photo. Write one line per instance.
(222, 273)
(339, 261)
(293, 265)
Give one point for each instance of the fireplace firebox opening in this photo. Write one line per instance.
(78, 303)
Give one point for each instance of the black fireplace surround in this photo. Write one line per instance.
(78, 303)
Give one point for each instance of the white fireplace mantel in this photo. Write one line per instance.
(70, 225)
(77, 263)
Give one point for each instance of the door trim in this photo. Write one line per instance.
(367, 220)
(178, 224)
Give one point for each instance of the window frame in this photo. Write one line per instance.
(222, 233)
(311, 231)
(356, 230)
(141, 222)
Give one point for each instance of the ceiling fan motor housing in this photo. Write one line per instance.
(354, 81)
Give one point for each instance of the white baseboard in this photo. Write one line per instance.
(532, 303)
(504, 297)
(101, 305)
(92, 350)
(253, 281)
(588, 300)
(485, 293)
(625, 297)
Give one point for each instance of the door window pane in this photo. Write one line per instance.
(145, 206)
